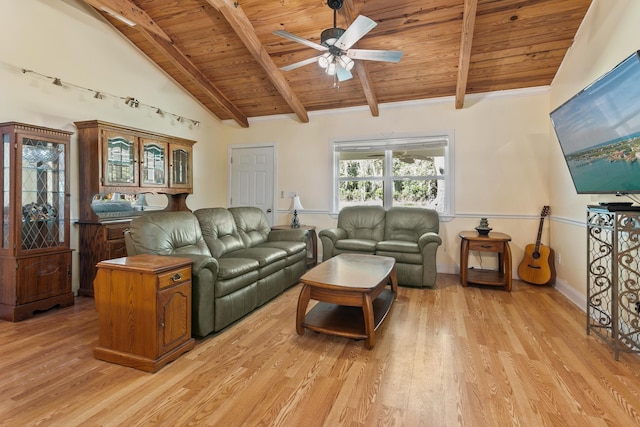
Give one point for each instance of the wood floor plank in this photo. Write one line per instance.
(448, 356)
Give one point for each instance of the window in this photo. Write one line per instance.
(412, 171)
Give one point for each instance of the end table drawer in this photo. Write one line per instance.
(486, 246)
(174, 277)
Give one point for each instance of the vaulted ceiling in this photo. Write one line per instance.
(225, 54)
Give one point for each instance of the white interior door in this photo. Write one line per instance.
(252, 178)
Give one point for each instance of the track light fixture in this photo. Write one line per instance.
(128, 100)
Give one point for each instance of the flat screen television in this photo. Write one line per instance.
(599, 132)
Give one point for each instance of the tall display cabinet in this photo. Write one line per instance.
(613, 276)
(118, 165)
(35, 255)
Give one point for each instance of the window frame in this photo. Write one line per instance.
(388, 145)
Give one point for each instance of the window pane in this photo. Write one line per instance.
(418, 162)
(419, 193)
(361, 193)
(361, 164)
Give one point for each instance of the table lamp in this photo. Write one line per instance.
(296, 205)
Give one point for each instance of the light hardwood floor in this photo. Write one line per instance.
(445, 357)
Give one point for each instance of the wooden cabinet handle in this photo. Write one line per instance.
(485, 246)
(176, 277)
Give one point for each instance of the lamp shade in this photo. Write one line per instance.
(296, 204)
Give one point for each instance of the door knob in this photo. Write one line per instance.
(269, 210)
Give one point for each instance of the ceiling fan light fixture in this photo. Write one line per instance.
(332, 68)
(325, 59)
(346, 62)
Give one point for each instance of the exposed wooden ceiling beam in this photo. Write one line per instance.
(468, 24)
(161, 41)
(131, 13)
(240, 23)
(361, 68)
(196, 76)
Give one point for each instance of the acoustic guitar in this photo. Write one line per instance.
(537, 266)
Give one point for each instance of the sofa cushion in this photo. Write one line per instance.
(219, 231)
(403, 257)
(252, 225)
(229, 268)
(359, 245)
(398, 246)
(291, 248)
(264, 256)
(363, 222)
(163, 233)
(408, 224)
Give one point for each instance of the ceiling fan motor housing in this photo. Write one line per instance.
(330, 36)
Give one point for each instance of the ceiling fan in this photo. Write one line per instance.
(337, 59)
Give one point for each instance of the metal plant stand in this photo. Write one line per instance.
(613, 277)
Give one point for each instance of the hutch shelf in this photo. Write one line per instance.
(613, 277)
(118, 165)
(35, 255)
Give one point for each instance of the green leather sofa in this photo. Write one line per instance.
(410, 235)
(238, 262)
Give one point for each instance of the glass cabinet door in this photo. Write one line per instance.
(6, 188)
(121, 161)
(42, 198)
(180, 164)
(154, 163)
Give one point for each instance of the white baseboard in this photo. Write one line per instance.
(572, 294)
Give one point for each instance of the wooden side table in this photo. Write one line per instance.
(312, 243)
(144, 306)
(494, 242)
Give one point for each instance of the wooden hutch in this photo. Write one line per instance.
(118, 164)
(35, 256)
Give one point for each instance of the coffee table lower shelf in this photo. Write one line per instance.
(347, 321)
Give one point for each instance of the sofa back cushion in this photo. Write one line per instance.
(253, 225)
(363, 222)
(167, 233)
(408, 224)
(219, 231)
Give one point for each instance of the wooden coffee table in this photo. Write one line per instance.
(352, 294)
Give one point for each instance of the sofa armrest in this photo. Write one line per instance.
(334, 234)
(199, 262)
(428, 238)
(293, 235)
(204, 275)
(329, 237)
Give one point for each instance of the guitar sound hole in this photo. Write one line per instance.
(535, 255)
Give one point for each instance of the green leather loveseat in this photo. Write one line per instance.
(410, 235)
(238, 262)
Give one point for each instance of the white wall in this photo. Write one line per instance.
(69, 40)
(609, 34)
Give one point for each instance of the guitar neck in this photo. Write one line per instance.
(539, 234)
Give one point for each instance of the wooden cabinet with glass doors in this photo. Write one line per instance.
(118, 164)
(35, 255)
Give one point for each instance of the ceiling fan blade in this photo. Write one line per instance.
(301, 40)
(375, 55)
(343, 74)
(361, 26)
(299, 64)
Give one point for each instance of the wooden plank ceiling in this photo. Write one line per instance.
(225, 54)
